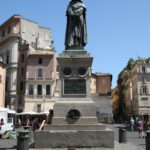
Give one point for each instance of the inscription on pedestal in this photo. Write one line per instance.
(74, 86)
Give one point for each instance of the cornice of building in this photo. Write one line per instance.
(29, 20)
(45, 28)
(18, 16)
(15, 16)
(102, 74)
(41, 52)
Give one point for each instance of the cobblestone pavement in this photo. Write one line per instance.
(133, 142)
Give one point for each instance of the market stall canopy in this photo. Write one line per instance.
(33, 113)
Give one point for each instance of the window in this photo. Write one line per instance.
(7, 81)
(0, 78)
(40, 60)
(143, 69)
(144, 101)
(9, 29)
(144, 90)
(24, 29)
(22, 71)
(39, 89)
(46, 38)
(31, 89)
(38, 107)
(21, 86)
(7, 58)
(3, 33)
(48, 90)
(33, 32)
(40, 73)
(22, 58)
(104, 81)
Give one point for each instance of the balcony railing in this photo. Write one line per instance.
(39, 96)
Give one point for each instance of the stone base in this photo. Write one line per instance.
(75, 127)
(81, 120)
(74, 138)
(86, 108)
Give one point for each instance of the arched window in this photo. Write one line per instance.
(144, 90)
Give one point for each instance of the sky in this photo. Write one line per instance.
(117, 29)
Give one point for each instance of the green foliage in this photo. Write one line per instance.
(147, 60)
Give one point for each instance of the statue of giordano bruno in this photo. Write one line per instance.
(76, 31)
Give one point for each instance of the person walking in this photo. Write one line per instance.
(140, 128)
(35, 124)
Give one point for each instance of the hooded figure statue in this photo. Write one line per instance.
(76, 32)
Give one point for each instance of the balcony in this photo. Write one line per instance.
(10, 35)
(38, 97)
(40, 79)
(41, 52)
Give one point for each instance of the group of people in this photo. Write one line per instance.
(37, 123)
(140, 125)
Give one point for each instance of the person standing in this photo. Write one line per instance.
(35, 124)
(50, 116)
(132, 123)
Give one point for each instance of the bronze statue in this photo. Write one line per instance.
(76, 32)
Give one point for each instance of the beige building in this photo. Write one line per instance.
(38, 78)
(14, 32)
(101, 94)
(2, 83)
(137, 89)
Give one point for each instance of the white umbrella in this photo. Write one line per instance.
(28, 113)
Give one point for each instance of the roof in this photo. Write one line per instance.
(15, 16)
(18, 16)
(102, 74)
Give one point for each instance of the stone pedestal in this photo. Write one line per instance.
(74, 122)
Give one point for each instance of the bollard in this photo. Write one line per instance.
(28, 128)
(23, 140)
(122, 135)
(147, 140)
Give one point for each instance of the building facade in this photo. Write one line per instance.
(101, 95)
(38, 78)
(137, 89)
(134, 89)
(14, 32)
(2, 83)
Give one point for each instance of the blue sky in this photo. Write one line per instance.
(117, 29)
